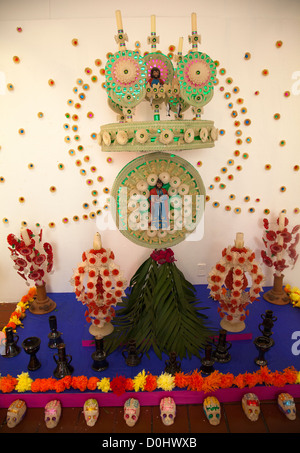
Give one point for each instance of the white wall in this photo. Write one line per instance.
(228, 29)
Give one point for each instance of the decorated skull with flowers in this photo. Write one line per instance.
(99, 284)
(32, 258)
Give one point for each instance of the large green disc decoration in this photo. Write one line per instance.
(196, 73)
(157, 219)
(126, 74)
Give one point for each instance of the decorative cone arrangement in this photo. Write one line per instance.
(104, 288)
(32, 264)
(230, 271)
(160, 311)
(282, 249)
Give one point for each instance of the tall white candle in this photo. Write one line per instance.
(119, 20)
(180, 45)
(97, 244)
(153, 24)
(239, 240)
(25, 236)
(194, 22)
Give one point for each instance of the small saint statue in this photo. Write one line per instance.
(159, 207)
(155, 78)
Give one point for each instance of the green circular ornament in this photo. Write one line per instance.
(196, 73)
(152, 221)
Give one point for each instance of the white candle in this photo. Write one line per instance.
(25, 236)
(153, 24)
(194, 22)
(119, 20)
(239, 240)
(97, 244)
(180, 45)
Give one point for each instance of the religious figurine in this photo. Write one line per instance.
(15, 413)
(251, 406)
(91, 411)
(172, 365)
(287, 405)
(155, 77)
(52, 413)
(131, 411)
(159, 207)
(212, 410)
(167, 411)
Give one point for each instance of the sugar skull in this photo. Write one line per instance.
(131, 411)
(286, 403)
(251, 406)
(212, 410)
(167, 411)
(15, 413)
(91, 411)
(52, 413)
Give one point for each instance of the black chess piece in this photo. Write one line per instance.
(63, 361)
(208, 361)
(99, 356)
(11, 347)
(221, 354)
(54, 336)
(133, 358)
(172, 365)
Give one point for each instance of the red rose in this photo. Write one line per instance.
(271, 235)
(275, 248)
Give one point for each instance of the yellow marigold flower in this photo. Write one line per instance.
(104, 385)
(24, 383)
(295, 297)
(166, 381)
(287, 288)
(139, 381)
(298, 378)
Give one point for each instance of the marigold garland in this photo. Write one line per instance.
(19, 313)
(147, 382)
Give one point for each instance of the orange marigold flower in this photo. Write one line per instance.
(67, 380)
(92, 383)
(59, 386)
(151, 383)
(129, 385)
(8, 383)
(181, 380)
(196, 381)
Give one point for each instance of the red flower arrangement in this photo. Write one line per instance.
(281, 244)
(163, 256)
(29, 261)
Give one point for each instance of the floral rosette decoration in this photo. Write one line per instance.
(104, 288)
(227, 282)
(28, 259)
(281, 244)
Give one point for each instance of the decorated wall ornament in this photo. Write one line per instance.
(280, 242)
(227, 283)
(157, 200)
(32, 264)
(131, 78)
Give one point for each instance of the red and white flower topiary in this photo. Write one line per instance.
(30, 262)
(227, 282)
(99, 284)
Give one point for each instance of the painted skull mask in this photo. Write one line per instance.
(212, 410)
(251, 406)
(15, 413)
(131, 411)
(91, 411)
(52, 413)
(286, 403)
(167, 411)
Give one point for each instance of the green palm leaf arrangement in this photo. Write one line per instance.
(161, 311)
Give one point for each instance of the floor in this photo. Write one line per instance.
(190, 419)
